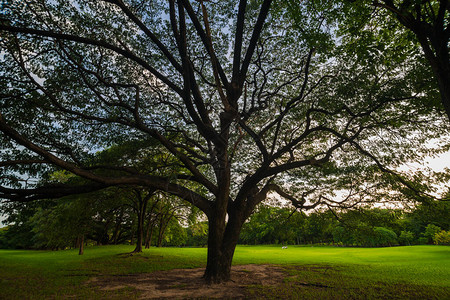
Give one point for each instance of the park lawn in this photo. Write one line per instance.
(313, 272)
(414, 272)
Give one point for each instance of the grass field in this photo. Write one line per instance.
(417, 272)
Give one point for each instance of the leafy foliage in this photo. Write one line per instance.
(442, 238)
(357, 227)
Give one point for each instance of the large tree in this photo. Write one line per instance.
(229, 89)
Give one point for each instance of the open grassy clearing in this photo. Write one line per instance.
(311, 272)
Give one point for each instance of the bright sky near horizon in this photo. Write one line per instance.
(441, 162)
(437, 164)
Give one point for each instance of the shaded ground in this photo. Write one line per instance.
(187, 283)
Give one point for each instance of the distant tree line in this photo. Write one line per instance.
(104, 218)
(428, 223)
(112, 219)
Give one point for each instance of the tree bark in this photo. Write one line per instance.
(160, 231)
(117, 227)
(142, 208)
(222, 241)
(151, 223)
(165, 219)
(81, 240)
(132, 236)
(149, 233)
(439, 62)
(140, 235)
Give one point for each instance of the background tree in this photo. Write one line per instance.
(406, 238)
(198, 234)
(140, 201)
(273, 225)
(270, 224)
(230, 91)
(430, 231)
(435, 213)
(442, 238)
(112, 219)
(64, 225)
(342, 236)
(19, 233)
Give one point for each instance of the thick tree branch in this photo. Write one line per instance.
(257, 29)
(433, 38)
(200, 118)
(48, 192)
(151, 181)
(238, 40)
(204, 37)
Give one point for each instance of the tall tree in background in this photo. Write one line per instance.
(140, 199)
(230, 91)
(65, 224)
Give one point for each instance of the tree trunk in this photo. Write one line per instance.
(163, 226)
(222, 241)
(443, 75)
(140, 229)
(151, 222)
(148, 239)
(441, 68)
(132, 237)
(160, 234)
(141, 210)
(147, 234)
(223, 236)
(118, 226)
(81, 239)
(433, 39)
(140, 235)
(77, 242)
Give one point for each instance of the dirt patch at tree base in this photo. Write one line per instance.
(187, 283)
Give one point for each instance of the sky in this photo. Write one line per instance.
(439, 163)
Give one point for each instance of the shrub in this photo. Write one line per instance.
(342, 236)
(422, 240)
(430, 232)
(442, 238)
(384, 236)
(406, 237)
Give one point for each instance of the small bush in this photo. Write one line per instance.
(384, 237)
(430, 232)
(406, 237)
(342, 236)
(442, 238)
(422, 240)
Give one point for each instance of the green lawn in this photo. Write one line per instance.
(314, 272)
